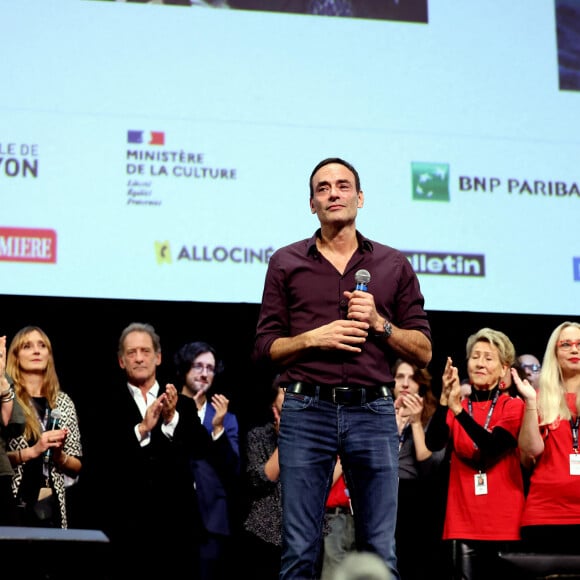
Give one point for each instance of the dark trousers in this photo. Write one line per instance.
(479, 560)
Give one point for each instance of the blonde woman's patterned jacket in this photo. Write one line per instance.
(72, 446)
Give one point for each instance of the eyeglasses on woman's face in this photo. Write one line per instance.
(567, 344)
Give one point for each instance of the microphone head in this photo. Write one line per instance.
(362, 277)
(54, 419)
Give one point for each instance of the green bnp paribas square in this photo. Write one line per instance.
(430, 181)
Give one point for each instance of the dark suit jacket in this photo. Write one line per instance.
(216, 479)
(144, 497)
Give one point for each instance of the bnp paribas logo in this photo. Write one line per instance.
(430, 181)
(163, 252)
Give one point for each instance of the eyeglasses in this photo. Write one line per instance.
(200, 367)
(532, 368)
(568, 344)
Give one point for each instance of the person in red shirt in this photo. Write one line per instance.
(485, 493)
(548, 443)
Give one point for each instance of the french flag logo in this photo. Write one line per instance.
(146, 137)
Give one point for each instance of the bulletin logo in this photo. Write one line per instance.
(447, 263)
(27, 245)
(430, 181)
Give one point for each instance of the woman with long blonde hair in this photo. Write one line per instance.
(47, 456)
(549, 444)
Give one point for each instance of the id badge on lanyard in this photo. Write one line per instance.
(480, 480)
(575, 457)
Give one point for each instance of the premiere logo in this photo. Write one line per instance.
(577, 269)
(27, 245)
(163, 252)
(430, 181)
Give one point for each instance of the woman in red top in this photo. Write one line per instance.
(549, 443)
(485, 493)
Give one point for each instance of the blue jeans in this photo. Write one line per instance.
(312, 434)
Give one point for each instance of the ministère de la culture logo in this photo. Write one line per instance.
(151, 166)
(18, 160)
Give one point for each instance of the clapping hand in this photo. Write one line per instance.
(2, 361)
(525, 388)
(411, 405)
(168, 403)
(220, 403)
(451, 387)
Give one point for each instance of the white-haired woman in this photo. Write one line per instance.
(486, 492)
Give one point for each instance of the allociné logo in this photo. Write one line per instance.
(27, 245)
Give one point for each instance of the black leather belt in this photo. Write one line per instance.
(340, 395)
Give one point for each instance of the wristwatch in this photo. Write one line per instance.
(387, 329)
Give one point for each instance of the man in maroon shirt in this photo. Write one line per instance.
(335, 345)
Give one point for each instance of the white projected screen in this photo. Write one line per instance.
(162, 152)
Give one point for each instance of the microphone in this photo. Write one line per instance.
(362, 278)
(52, 423)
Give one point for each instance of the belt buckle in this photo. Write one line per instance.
(339, 390)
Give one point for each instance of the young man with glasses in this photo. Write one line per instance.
(197, 366)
